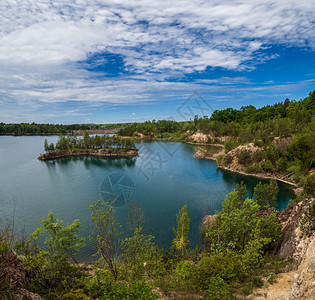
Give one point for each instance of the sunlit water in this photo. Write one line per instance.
(161, 180)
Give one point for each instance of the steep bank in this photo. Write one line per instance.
(244, 159)
(299, 248)
(93, 152)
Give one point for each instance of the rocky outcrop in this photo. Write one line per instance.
(12, 274)
(291, 245)
(243, 158)
(303, 287)
(200, 137)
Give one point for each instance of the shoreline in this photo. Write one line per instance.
(204, 144)
(199, 155)
(258, 175)
(91, 152)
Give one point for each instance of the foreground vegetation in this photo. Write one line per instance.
(239, 244)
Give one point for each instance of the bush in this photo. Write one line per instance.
(309, 185)
(257, 282)
(245, 157)
(228, 266)
(227, 159)
(281, 164)
(103, 286)
(308, 220)
(253, 168)
(218, 289)
(137, 290)
(267, 165)
(247, 289)
(182, 275)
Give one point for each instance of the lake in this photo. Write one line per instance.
(164, 177)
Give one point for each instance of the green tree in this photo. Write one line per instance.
(137, 252)
(46, 146)
(241, 190)
(180, 242)
(62, 239)
(107, 231)
(266, 194)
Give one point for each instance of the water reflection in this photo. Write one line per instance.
(88, 161)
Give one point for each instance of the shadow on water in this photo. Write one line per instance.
(88, 161)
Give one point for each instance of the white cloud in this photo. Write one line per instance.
(41, 41)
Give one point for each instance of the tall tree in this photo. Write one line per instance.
(181, 241)
(106, 229)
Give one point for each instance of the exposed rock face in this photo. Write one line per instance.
(234, 164)
(291, 241)
(231, 161)
(303, 287)
(201, 137)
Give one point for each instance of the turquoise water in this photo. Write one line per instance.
(161, 180)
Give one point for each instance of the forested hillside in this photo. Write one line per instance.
(284, 134)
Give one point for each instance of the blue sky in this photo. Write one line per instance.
(94, 61)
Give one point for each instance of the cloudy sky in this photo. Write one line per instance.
(76, 61)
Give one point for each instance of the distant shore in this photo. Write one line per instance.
(92, 152)
(68, 132)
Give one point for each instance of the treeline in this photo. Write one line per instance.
(246, 124)
(152, 129)
(41, 129)
(239, 254)
(89, 142)
(34, 128)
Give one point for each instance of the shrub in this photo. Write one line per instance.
(103, 286)
(267, 165)
(308, 220)
(257, 156)
(134, 291)
(254, 168)
(218, 289)
(219, 159)
(245, 157)
(227, 159)
(281, 164)
(75, 295)
(257, 282)
(247, 289)
(309, 185)
(182, 275)
(228, 266)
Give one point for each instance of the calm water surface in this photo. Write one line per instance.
(161, 180)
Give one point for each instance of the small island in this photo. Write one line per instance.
(103, 146)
